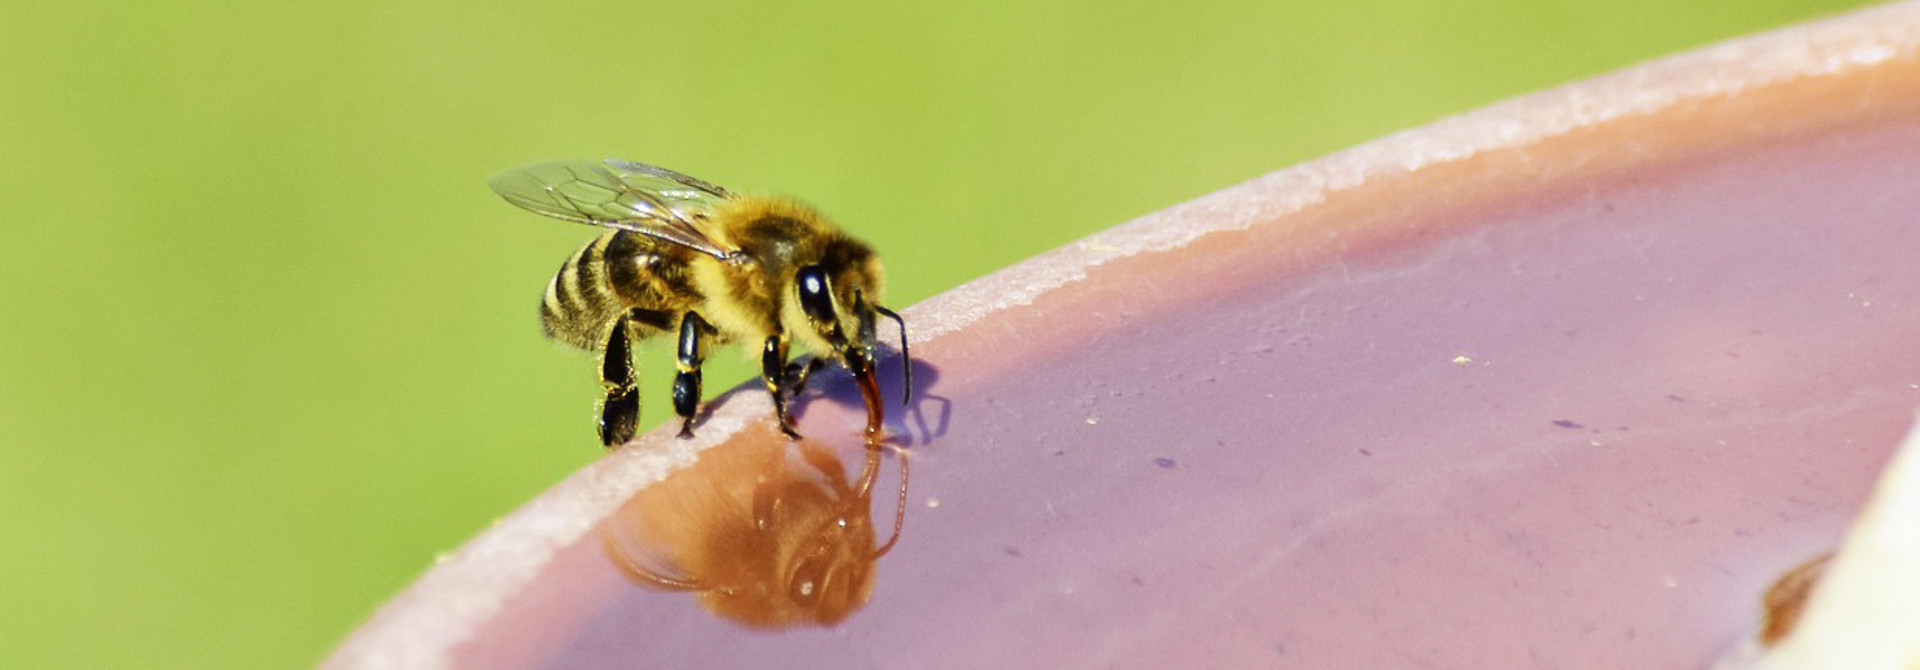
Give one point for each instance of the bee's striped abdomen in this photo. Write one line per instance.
(619, 273)
(579, 305)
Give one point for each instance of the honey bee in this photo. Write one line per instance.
(688, 256)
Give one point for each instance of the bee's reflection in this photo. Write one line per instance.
(769, 533)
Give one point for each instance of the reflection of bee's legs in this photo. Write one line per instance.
(620, 410)
(773, 368)
(686, 384)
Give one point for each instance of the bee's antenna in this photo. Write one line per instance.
(906, 360)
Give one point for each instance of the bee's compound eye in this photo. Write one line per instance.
(816, 296)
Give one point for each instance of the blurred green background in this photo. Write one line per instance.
(272, 344)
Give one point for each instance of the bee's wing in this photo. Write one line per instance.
(642, 173)
(652, 201)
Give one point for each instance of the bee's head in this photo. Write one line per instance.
(838, 300)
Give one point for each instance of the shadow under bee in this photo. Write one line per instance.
(767, 533)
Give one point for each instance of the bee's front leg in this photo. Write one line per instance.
(773, 368)
(620, 409)
(686, 384)
(797, 374)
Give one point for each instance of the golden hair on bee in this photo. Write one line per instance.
(782, 236)
(686, 256)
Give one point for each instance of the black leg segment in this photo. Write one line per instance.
(686, 384)
(620, 409)
(797, 374)
(773, 369)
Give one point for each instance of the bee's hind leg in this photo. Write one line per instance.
(620, 409)
(686, 383)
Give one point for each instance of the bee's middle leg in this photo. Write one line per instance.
(686, 383)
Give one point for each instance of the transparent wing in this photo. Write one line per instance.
(646, 176)
(652, 201)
